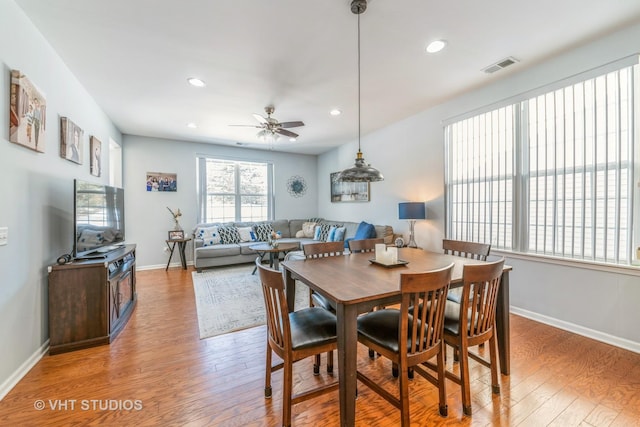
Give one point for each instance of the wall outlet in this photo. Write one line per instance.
(4, 235)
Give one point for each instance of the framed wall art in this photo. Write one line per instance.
(95, 147)
(27, 113)
(349, 191)
(161, 181)
(70, 141)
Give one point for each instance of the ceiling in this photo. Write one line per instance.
(134, 58)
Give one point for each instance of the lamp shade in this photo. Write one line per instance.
(412, 210)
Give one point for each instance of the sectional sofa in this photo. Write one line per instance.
(219, 244)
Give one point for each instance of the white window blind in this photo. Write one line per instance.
(552, 174)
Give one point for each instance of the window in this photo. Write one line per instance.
(551, 174)
(235, 190)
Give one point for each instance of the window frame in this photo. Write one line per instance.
(202, 194)
(522, 175)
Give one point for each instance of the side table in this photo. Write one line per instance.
(182, 244)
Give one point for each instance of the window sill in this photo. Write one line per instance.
(630, 270)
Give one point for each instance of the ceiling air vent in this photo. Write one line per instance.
(504, 63)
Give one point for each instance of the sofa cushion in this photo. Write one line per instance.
(282, 226)
(219, 250)
(309, 228)
(365, 231)
(245, 248)
(245, 234)
(229, 235)
(263, 231)
(322, 232)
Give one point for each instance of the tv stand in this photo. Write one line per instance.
(91, 300)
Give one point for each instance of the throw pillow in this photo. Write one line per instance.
(331, 234)
(300, 234)
(210, 235)
(365, 231)
(229, 235)
(245, 234)
(339, 236)
(263, 231)
(308, 228)
(316, 233)
(324, 232)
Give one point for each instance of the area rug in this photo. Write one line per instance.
(230, 299)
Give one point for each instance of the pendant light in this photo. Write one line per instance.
(361, 171)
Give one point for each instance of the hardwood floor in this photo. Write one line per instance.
(158, 372)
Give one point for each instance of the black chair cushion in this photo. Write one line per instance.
(312, 326)
(320, 300)
(382, 327)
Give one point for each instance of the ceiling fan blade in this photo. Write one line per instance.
(261, 119)
(249, 126)
(286, 133)
(290, 124)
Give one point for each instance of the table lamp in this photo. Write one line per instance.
(412, 211)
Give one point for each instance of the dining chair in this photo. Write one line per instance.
(461, 248)
(475, 325)
(293, 337)
(315, 251)
(409, 340)
(364, 245)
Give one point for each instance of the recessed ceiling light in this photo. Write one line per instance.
(193, 81)
(192, 125)
(335, 112)
(436, 46)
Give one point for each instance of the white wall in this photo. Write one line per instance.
(146, 216)
(36, 198)
(411, 156)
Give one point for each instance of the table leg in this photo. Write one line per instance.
(172, 247)
(261, 255)
(181, 247)
(290, 290)
(502, 325)
(347, 363)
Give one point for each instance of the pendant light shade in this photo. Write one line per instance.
(361, 170)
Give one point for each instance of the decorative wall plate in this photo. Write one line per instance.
(296, 186)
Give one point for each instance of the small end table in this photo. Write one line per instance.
(274, 253)
(182, 244)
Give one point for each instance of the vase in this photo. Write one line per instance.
(177, 226)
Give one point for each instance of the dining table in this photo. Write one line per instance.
(356, 283)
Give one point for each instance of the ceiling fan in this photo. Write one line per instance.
(271, 128)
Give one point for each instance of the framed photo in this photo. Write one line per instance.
(96, 155)
(27, 113)
(176, 235)
(160, 181)
(70, 141)
(349, 191)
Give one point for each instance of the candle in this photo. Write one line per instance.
(380, 252)
(393, 255)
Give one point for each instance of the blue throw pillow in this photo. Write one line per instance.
(331, 236)
(365, 231)
(339, 235)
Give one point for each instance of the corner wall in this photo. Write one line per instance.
(36, 198)
(146, 216)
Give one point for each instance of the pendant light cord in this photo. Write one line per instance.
(359, 82)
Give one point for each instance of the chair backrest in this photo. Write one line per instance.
(425, 296)
(479, 296)
(323, 249)
(479, 251)
(277, 311)
(364, 245)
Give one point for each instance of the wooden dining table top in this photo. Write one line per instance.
(368, 281)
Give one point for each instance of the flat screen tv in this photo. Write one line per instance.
(98, 213)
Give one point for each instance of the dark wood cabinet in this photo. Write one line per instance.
(90, 301)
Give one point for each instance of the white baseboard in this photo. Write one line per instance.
(11, 382)
(159, 266)
(580, 330)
